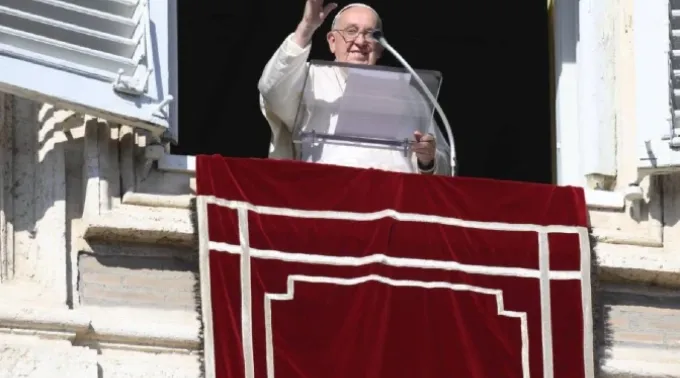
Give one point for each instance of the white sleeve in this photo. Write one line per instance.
(281, 82)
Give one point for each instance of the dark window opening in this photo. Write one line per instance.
(494, 60)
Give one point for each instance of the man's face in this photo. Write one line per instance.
(350, 41)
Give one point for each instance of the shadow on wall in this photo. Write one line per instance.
(602, 332)
(197, 293)
(41, 171)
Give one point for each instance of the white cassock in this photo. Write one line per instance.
(281, 86)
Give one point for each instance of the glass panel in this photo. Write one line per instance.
(363, 105)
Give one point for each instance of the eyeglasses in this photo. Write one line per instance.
(351, 34)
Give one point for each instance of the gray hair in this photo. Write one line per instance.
(379, 24)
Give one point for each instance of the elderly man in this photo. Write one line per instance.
(282, 81)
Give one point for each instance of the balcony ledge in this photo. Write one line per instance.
(641, 362)
(152, 329)
(148, 223)
(179, 332)
(596, 199)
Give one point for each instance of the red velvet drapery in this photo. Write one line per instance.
(324, 271)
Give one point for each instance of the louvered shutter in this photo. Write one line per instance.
(656, 28)
(115, 59)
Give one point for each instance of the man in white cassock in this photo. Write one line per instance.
(282, 81)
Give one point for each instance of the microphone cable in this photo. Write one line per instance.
(380, 38)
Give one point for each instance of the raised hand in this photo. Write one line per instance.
(316, 12)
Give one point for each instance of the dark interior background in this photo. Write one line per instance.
(493, 56)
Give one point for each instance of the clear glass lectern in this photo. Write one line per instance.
(365, 106)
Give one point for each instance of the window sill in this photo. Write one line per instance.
(605, 200)
(595, 199)
(177, 164)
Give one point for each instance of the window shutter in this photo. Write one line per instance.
(657, 76)
(115, 59)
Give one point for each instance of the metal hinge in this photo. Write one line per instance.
(160, 109)
(137, 84)
(673, 138)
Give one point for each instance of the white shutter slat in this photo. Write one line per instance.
(23, 44)
(109, 58)
(656, 28)
(92, 18)
(125, 8)
(63, 31)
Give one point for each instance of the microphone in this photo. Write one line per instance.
(378, 36)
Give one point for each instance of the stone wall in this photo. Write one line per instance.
(138, 276)
(90, 285)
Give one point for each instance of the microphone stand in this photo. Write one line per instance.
(378, 36)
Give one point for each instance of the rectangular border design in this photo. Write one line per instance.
(543, 274)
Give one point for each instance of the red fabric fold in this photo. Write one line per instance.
(387, 297)
(323, 187)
